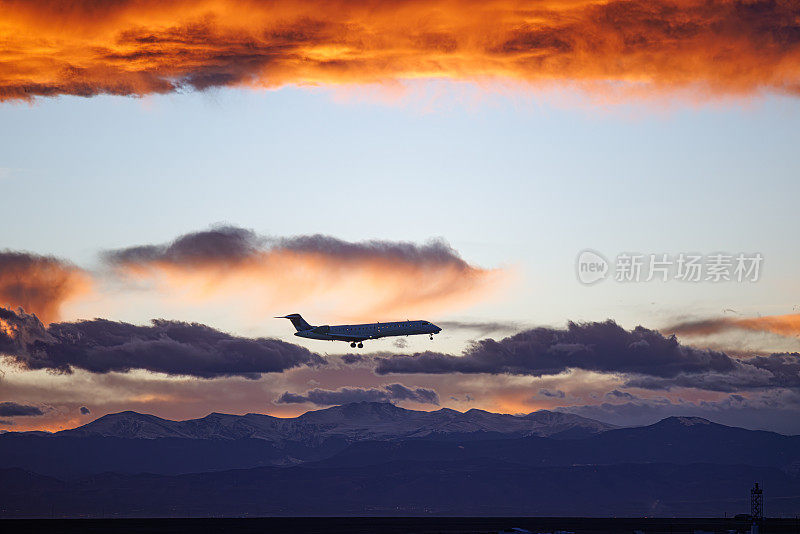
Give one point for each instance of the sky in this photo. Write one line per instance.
(446, 161)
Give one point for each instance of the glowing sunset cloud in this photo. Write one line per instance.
(361, 281)
(139, 47)
(783, 325)
(39, 284)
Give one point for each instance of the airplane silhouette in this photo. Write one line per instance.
(356, 333)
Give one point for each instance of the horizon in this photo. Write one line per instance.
(329, 407)
(388, 403)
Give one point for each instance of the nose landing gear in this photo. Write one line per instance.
(431, 337)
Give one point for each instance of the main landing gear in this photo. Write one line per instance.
(360, 345)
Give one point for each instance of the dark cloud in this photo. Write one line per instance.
(617, 394)
(345, 395)
(644, 358)
(12, 409)
(554, 394)
(602, 347)
(39, 284)
(230, 245)
(6, 422)
(780, 370)
(784, 368)
(85, 410)
(221, 245)
(351, 359)
(434, 252)
(171, 347)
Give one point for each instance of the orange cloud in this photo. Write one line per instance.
(39, 284)
(316, 274)
(139, 47)
(783, 325)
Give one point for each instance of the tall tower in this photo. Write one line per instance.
(757, 504)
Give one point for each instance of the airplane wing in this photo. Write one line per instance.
(345, 337)
(326, 330)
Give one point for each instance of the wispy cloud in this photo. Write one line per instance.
(783, 325)
(481, 328)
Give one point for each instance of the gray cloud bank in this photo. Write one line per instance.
(646, 358)
(171, 347)
(602, 347)
(774, 410)
(387, 393)
(12, 409)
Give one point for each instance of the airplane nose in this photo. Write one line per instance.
(437, 329)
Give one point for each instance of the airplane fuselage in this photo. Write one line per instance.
(362, 332)
(356, 333)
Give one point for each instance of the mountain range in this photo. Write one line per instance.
(130, 442)
(355, 422)
(380, 459)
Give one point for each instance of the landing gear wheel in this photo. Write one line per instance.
(360, 345)
(353, 345)
(431, 337)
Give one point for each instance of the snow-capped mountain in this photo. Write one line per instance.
(353, 422)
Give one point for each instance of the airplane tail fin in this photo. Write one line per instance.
(299, 323)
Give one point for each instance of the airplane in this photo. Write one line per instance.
(357, 333)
